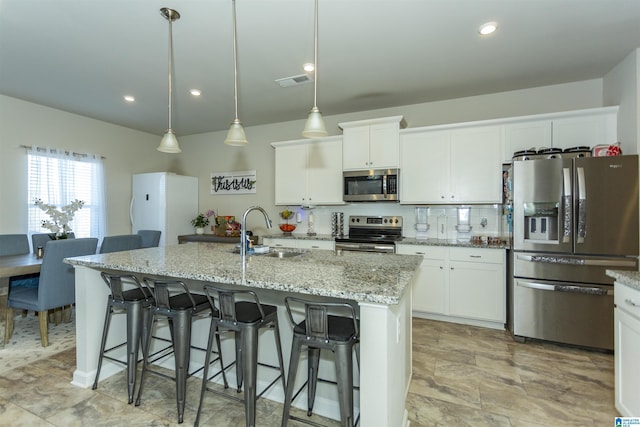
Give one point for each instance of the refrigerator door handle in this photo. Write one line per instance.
(577, 261)
(131, 210)
(567, 288)
(582, 205)
(566, 205)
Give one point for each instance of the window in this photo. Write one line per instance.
(58, 177)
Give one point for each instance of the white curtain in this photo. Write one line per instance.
(58, 177)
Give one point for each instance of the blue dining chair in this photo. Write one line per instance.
(150, 238)
(56, 287)
(124, 242)
(41, 239)
(17, 244)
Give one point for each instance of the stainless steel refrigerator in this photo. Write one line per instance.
(166, 202)
(573, 218)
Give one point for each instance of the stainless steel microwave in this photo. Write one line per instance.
(376, 185)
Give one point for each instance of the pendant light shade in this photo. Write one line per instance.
(169, 142)
(236, 135)
(314, 127)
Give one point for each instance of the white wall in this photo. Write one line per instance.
(128, 152)
(621, 88)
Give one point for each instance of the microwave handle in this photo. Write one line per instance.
(384, 185)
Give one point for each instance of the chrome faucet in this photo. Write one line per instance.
(243, 234)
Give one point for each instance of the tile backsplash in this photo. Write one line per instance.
(485, 220)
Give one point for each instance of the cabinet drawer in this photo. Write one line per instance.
(316, 244)
(430, 252)
(494, 256)
(627, 299)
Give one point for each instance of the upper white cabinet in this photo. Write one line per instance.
(309, 172)
(459, 165)
(371, 144)
(586, 130)
(561, 130)
(525, 135)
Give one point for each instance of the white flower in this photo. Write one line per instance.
(59, 223)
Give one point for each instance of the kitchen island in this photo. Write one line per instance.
(378, 285)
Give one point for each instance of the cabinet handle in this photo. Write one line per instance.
(419, 253)
(452, 196)
(442, 197)
(631, 302)
(475, 256)
(315, 246)
(451, 268)
(441, 268)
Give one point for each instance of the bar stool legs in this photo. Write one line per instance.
(136, 303)
(319, 330)
(174, 301)
(245, 319)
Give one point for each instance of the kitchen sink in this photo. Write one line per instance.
(283, 254)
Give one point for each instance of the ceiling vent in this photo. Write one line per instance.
(294, 80)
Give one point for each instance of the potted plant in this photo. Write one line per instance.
(60, 218)
(201, 221)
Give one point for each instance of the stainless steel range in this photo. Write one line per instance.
(372, 234)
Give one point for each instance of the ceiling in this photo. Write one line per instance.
(83, 56)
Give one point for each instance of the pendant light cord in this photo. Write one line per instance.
(315, 55)
(170, 64)
(235, 61)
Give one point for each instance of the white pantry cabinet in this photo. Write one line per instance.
(460, 284)
(371, 144)
(627, 350)
(459, 165)
(309, 172)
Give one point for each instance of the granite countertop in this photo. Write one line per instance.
(405, 240)
(625, 277)
(359, 276)
(436, 242)
(300, 236)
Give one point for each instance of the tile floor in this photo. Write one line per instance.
(462, 376)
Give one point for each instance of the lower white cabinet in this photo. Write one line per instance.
(463, 285)
(627, 350)
(294, 243)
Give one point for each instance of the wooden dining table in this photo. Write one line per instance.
(13, 265)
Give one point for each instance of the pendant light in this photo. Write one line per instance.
(236, 135)
(314, 127)
(169, 143)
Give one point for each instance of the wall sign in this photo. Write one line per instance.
(240, 182)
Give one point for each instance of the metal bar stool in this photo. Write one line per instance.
(240, 311)
(174, 301)
(321, 330)
(136, 303)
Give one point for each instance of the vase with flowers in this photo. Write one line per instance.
(59, 220)
(202, 220)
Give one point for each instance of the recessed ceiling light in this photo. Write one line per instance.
(129, 98)
(195, 92)
(308, 67)
(488, 28)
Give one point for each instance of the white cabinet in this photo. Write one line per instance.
(451, 166)
(294, 243)
(561, 130)
(525, 135)
(587, 130)
(308, 172)
(463, 285)
(430, 286)
(627, 350)
(477, 284)
(371, 144)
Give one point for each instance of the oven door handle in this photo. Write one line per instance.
(577, 261)
(567, 288)
(384, 186)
